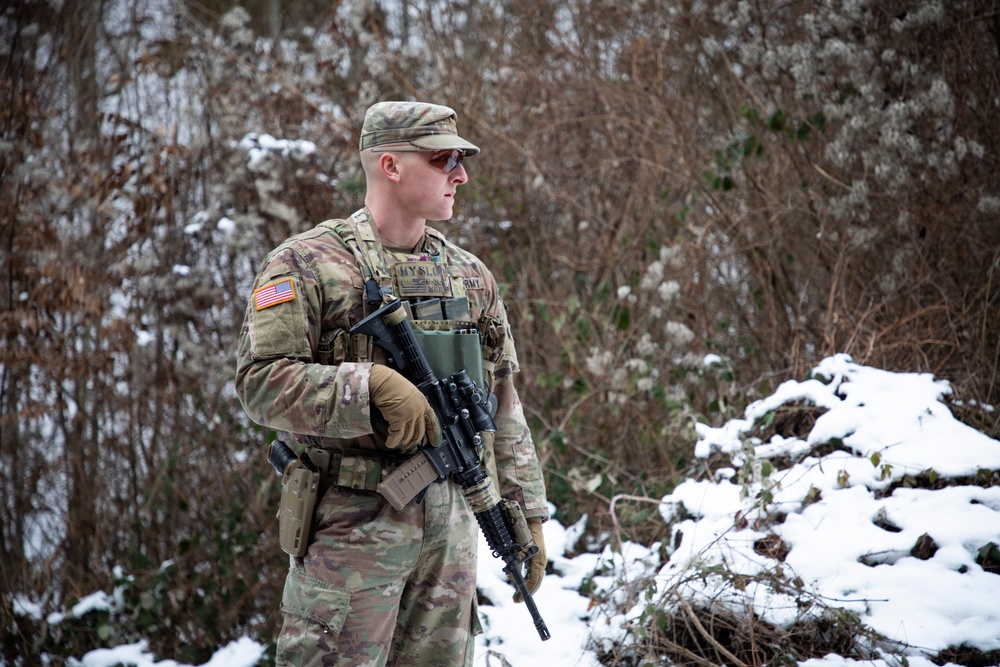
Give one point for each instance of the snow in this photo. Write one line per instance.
(259, 146)
(850, 536)
(243, 652)
(711, 360)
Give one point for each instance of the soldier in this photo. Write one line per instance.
(376, 585)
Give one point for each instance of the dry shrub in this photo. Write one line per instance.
(704, 636)
(126, 458)
(772, 185)
(687, 634)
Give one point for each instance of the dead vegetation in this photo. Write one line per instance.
(659, 182)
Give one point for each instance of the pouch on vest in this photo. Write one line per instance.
(451, 351)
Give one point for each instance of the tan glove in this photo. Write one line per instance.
(536, 566)
(409, 414)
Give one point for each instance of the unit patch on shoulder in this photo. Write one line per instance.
(273, 294)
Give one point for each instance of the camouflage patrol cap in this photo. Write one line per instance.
(413, 126)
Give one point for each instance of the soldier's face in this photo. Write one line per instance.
(427, 187)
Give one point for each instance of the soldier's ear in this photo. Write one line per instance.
(388, 164)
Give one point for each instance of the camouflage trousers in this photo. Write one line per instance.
(384, 587)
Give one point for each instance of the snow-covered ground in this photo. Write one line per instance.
(849, 533)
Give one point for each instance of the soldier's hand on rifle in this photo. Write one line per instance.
(409, 414)
(536, 566)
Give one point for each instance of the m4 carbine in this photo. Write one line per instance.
(461, 411)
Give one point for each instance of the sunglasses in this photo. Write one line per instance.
(447, 161)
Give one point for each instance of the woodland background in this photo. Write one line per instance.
(766, 181)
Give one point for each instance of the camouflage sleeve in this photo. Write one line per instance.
(279, 378)
(518, 470)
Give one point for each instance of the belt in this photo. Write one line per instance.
(361, 470)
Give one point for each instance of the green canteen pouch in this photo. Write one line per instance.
(299, 490)
(450, 351)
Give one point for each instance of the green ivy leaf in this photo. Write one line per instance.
(776, 121)
(622, 317)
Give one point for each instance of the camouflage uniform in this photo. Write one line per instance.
(377, 586)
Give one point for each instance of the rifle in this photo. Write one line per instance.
(460, 408)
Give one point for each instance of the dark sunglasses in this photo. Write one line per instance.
(447, 161)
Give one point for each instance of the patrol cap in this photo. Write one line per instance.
(413, 126)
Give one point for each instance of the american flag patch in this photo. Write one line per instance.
(273, 294)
